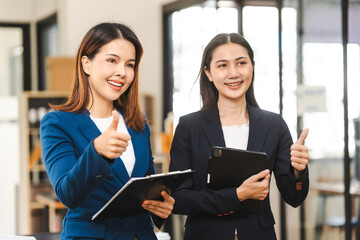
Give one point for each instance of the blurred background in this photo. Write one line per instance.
(307, 58)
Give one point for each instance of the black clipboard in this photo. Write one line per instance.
(127, 201)
(229, 167)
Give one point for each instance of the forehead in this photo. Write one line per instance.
(229, 51)
(119, 47)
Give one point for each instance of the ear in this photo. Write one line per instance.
(85, 62)
(208, 74)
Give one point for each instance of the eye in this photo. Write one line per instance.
(222, 65)
(241, 63)
(131, 65)
(111, 60)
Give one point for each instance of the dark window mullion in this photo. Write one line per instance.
(348, 210)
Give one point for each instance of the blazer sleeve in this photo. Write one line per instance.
(73, 177)
(190, 199)
(294, 191)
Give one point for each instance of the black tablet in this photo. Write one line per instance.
(229, 167)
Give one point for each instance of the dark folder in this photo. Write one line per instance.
(230, 167)
(127, 201)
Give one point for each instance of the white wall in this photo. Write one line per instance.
(9, 164)
(15, 11)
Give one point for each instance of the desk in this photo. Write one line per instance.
(52, 202)
(335, 188)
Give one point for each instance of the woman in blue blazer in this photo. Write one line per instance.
(230, 117)
(99, 138)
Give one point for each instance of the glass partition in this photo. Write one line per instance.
(353, 70)
(322, 64)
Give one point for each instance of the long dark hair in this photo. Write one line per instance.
(128, 102)
(208, 91)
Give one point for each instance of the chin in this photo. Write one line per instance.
(113, 97)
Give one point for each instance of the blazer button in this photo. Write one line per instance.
(99, 177)
(110, 177)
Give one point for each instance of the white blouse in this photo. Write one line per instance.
(236, 136)
(128, 157)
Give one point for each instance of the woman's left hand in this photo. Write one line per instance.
(159, 208)
(299, 154)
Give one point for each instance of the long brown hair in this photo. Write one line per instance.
(208, 91)
(80, 96)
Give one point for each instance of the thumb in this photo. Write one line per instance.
(302, 136)
(167, 197)
(262, 174)
(115, 121)
(165, 194)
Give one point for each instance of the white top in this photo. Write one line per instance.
(128, 157)
(236, 136)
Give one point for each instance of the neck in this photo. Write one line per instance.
(233, 112)
(101, 110)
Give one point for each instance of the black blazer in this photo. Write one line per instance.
(194, 138)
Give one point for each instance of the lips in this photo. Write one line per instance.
(234, 84)
(115, 83)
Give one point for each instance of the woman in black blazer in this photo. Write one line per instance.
(231, 117)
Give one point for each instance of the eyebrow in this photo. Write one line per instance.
(223, 60)
(115, 55)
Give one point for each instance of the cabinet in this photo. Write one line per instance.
(60, 72)
(33, 215)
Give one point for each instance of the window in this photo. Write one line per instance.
(189, 37)
(15, 71)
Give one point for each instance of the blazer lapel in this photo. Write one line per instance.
(90, 131)
(257, 129)
(212, 127)
(141, 153)
(88, 128)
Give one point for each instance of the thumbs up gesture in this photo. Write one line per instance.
(299, 154)
(111, 143)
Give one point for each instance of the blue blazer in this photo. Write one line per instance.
(84, 181)
(194, 138)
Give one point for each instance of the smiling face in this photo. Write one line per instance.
(111, 71)
(231, 71)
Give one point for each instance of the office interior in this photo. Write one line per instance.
(307, 55)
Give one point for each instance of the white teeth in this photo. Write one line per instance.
(115, 84)
(233, 84)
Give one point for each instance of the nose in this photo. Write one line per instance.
(233, 72)
(120, 71)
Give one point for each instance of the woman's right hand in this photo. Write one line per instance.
(254, 188)
(111, 143)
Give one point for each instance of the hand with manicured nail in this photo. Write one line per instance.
(111, 143)
(299, 154)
